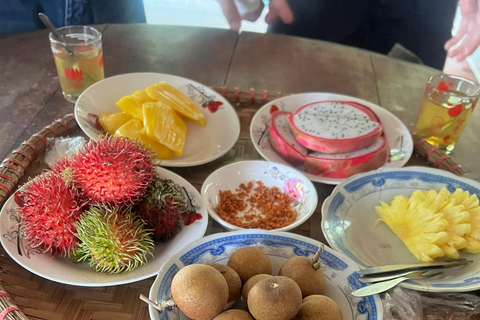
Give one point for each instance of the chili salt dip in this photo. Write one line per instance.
(256, 206)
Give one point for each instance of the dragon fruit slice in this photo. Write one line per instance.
(344, 165)
(282, 140)
(335, 126)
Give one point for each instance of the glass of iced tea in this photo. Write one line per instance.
(79, 59)
(447, 105)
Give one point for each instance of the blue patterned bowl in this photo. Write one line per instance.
(340, 271)
(289, 180)
(348, 218)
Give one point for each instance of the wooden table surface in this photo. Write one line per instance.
(31, 99)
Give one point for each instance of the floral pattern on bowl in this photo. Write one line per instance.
(290, 181)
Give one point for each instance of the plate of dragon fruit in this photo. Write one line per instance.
(105, 216)
(330, 137)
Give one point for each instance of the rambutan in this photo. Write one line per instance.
(63, 168)
(113, 239)
(163, 208)
(49, 212)
(114, 169)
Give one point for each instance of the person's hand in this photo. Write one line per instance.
(469, 31)
(277, 9)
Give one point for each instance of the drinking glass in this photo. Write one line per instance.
(447, 105)
(79, 59)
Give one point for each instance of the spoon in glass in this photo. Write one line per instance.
(46, 21)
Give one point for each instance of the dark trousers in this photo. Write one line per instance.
(422, 26)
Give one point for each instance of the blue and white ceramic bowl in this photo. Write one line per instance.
(348, 218)
(288, 180)
(340, 271)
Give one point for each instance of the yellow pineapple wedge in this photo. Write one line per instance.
(132, 104)
(458, 220)
(174, 98)
(162, 124)
(131, 130)
(112, 121)
(471, 206)
(419, 227)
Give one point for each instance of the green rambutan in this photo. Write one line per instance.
(49, 210)
(114, 169)
(113, 239)
(163, 208)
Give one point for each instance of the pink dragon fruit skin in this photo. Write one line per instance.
(282, 140)
(348, 164)
(335, 126)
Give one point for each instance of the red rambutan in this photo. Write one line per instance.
(114, 170)
(164, 209)
(59, 166)
(49, 214)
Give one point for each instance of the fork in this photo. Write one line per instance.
(380, 287)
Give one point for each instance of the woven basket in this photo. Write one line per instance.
(42, 299)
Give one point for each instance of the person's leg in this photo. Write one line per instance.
(118, 11)
(337, 21)
(421, 26)
(18, 16)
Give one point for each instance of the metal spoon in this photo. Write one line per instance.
(46, 21)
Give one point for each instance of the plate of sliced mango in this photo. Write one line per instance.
(183, 122)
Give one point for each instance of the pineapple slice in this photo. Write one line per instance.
(132, 104)
(174, 98)
(471, 205)
(112, 121)
(131, 130)
(162, 124)
(419, 227)
(458, 220)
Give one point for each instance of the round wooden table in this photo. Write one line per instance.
(31, 99)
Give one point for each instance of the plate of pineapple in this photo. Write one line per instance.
(183, 122)
(408, 215)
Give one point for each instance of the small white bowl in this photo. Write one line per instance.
(271, 174)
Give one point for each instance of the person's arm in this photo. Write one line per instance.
(277, 9)
(469, 31)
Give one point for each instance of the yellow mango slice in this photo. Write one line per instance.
(174, 98)
(112, 121)
(163, 124)
(131, 130)
(132, 104)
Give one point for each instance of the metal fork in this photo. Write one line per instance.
(380, 287)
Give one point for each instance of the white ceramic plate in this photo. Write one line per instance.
(62, 270)
(288, 180)
(348, 218)
(340, 272)
(202, 145)
(392, 127)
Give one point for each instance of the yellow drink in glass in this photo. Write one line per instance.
(78, 58)
(447, 105)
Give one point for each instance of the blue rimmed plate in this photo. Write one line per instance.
(340, 271)
(348, 218)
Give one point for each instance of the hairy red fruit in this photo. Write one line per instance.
(49, 214)
(114, 170)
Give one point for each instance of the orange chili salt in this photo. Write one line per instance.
(253, 205)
